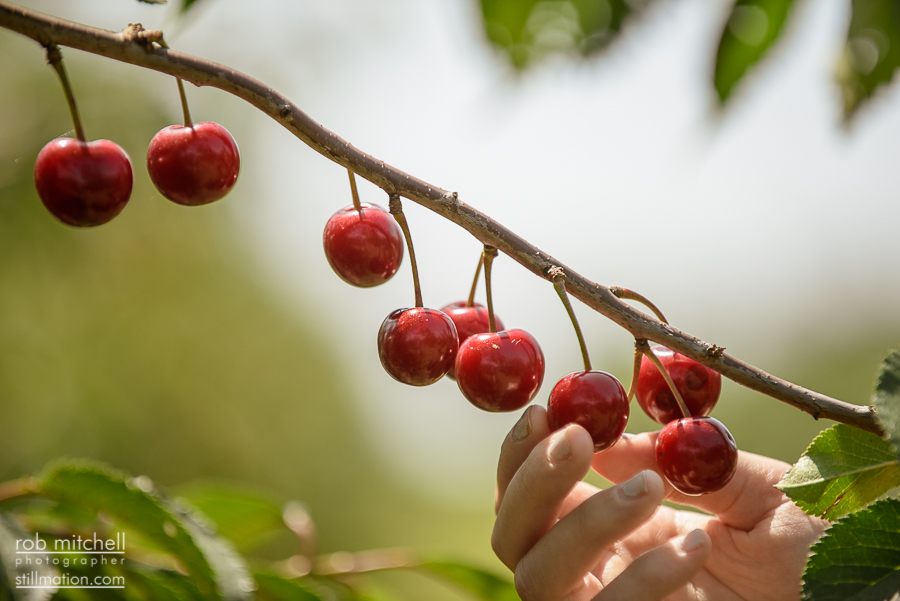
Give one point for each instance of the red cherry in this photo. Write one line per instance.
(501, 371)
(193, 165)
(593, 399)
(363, 247)
(699, 386)
(83, 183)
(468, 321)
(697, 455)
(417, 346)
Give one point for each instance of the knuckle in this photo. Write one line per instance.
(524, 583)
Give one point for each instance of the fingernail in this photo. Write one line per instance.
(560, 449)
(522, 429)
(693, 541)
(628, 436)
(634, 488)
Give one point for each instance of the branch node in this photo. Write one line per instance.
(556, 273)
(135, 33)
(715, 351)
(285, 111)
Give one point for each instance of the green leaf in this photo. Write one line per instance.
(858, 558)
(887, 398)
(187, 5)
(528, 30)
(484, 585)
(871, 53)
(749, 32)
(11, 574)
(276, 588)
(246, 518)
(843, 470)
(216, 570)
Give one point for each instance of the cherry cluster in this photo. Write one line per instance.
(88, 183)
(501, 370)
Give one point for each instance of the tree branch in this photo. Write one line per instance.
(140, 47)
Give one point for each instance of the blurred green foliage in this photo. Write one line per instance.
(529, 30)
(752, 27)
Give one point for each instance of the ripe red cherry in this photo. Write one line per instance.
(697, 455)
(593, 399)
(193, 165)
(468, 321)
(417, 346)
(363, 247)
(83, 183)
(501, 371)
(699, 386)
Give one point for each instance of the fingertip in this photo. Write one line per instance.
(696, 541)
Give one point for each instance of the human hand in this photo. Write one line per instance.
(567, 540)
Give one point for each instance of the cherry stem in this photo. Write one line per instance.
(635, 374)
(54, 57)
(471, 300)
(184, 104)
(559, 283)
(487, 257)
(396, 209)
(641, 345)
(356, 204)
(625, 293)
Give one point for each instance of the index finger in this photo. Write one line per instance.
(531, 429)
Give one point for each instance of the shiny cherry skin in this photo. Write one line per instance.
(468, 321)
(363, 247)
(193, 165)
(500, 371)
(699, 386)
(697, 455)
(83, 183)
(594, 400)
(417, 346)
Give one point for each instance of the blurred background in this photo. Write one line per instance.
(215, 343)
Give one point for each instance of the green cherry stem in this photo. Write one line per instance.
(54, 57)
(471, 300)
(559, 283)
(626, 294)
(488, 258)
(354, 191)
(635, 373)
(641, 345)
(184, 104)
(396, 209)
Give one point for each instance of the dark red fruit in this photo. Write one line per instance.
(468, 321)
(501, 371)
(699, 386)
(417, 346)
(193, 165)
(594, 400)
(83, 183)
(363, 247)
(697, 455)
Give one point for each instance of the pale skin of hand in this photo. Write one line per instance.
(565, 540)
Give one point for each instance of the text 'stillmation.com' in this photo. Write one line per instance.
(49, 558)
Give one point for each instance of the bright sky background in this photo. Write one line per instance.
(764, 222)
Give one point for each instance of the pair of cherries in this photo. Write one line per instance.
(88, 183)
(495, 371)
